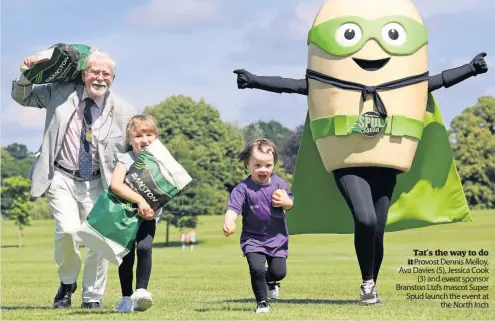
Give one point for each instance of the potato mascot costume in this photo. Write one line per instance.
(374, 154)
(370, 108)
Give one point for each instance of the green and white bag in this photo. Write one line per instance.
(59, 63)
(111, 226)
(156, 175)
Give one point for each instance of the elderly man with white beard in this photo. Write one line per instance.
(85, 126)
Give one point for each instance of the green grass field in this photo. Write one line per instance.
(212, 282)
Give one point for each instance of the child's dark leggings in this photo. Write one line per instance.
(367, 191)
(144, 241)
(277, 269)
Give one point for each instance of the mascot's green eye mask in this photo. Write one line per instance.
(397, 35)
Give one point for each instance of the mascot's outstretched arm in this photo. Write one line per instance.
(451, 77)
(275, 84)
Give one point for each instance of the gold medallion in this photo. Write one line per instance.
(88, 136)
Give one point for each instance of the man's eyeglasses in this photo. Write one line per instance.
(96, 73)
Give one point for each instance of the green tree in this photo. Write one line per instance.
(290, 149)
(287, 177)
(206, 147)
(12, 188)
(252, 132)
(19, 151)
(16, 203)
(273, 130)
(21, 208)
(12, 166)
(473, 141)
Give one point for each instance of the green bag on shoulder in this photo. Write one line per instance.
(59, 63)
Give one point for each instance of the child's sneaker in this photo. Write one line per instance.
(142, 300)
(125, 305)
(262, 307)
(368, 292)
(273, 289)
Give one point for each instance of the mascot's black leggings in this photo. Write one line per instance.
(367, 191)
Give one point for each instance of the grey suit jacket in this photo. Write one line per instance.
(61, 101)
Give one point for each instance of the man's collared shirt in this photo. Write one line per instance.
(68, 157)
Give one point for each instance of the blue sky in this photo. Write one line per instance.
(190, 47)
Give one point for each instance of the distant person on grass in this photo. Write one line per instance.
(262, 200)
(192, 238)
(183, 240)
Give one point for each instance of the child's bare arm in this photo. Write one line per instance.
(120, 188)
(230, 216)
(229, 222)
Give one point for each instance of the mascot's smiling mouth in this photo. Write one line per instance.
(371, 65)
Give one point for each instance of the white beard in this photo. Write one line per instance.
(97, 91)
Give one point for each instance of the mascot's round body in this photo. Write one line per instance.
(371, 146)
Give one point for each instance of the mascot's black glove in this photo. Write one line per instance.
(478, 64)
(245, 79)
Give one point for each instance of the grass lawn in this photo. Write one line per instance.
(212, 282)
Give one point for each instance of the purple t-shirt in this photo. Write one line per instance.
(264, 228)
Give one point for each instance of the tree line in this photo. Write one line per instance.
(207, 147)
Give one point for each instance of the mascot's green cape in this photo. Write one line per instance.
(430, 193)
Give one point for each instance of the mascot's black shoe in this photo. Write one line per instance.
(63, 298)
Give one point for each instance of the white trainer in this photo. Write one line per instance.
(368, 292)
(125, 305)
(142, 300)
(273, 290)
(262, 307)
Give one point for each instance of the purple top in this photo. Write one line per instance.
(264, 228)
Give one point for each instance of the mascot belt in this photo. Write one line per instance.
(340, 125)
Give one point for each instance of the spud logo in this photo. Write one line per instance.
(369, 124)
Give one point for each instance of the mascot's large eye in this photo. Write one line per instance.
(349, 34)
(394, 34)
